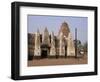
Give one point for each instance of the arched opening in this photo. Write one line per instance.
(44, 54)
(65, 51)
(44, 50)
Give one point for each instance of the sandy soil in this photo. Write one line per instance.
(59, 61)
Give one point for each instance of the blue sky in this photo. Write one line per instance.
(53, 23)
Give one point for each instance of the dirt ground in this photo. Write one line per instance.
(59, 61)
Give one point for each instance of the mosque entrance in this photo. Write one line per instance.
(65, 51)
(44, 54)
(44, 50)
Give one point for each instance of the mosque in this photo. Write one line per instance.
(47, 45)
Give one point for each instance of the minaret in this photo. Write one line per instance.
(64, 29)
(45, 38)
(52, 49)
(65, 34)
(61, 45)
(70, 46)
(37, 51)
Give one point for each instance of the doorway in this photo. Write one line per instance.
(65, 51)
(44, 54)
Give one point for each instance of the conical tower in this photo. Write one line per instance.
(61, 45)
(52, 49)
(70, 46)
(64, 29)
(45, 38)
(65, 41)
(37, 51)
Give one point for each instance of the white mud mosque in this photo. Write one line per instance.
(48, 45)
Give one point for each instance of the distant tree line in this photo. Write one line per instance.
(81, 46)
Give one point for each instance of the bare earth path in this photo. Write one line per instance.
(59, 61)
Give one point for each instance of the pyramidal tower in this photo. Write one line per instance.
(70, 47)
(52, 49)
(66, 39)
(45, 38)
(63, 34)
(64, 29)
(61, 45)
(37, 51)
